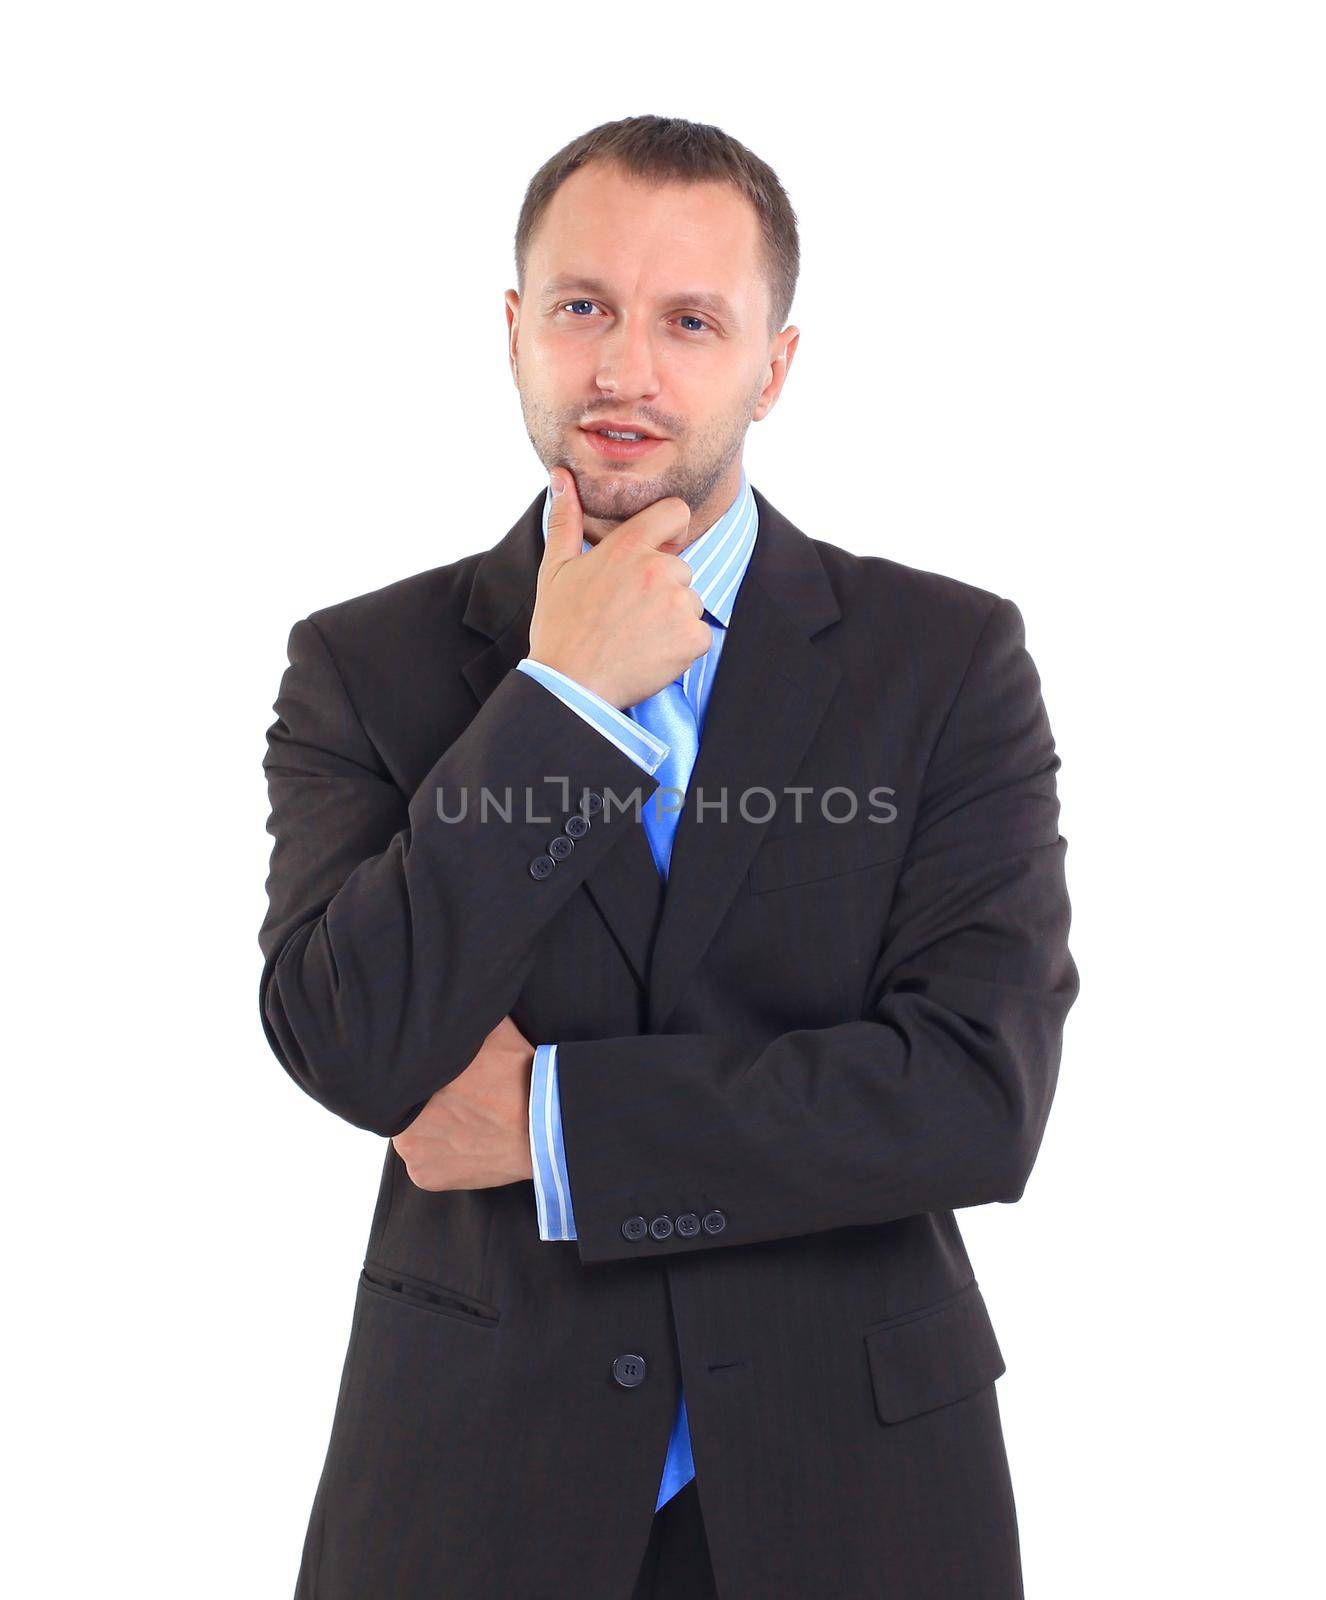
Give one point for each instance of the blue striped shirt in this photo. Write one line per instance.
(718, 560)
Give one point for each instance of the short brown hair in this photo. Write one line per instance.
(670, 149)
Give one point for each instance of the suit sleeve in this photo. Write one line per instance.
(401, 929)
(629, 736)
(934, 1099)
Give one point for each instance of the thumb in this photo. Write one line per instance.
(566, 523)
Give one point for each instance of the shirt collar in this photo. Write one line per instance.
(719, 557)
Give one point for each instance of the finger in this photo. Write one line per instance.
(657, 524)
(678, 570)
(566, 523)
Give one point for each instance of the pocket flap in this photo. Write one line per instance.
(930, 1358)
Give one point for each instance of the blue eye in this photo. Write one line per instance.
(686, 316)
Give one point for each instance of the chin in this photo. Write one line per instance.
(618, 497)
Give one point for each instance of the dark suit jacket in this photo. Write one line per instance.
(827, 1036)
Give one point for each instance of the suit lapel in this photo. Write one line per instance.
(769, 695)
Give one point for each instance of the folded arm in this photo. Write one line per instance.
(936, 1098)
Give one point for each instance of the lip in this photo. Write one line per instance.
(619, 449)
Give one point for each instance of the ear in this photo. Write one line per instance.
(780, 360)
(792, 335)
(512, 301)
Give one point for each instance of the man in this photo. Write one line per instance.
(683, 899)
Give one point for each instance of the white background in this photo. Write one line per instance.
(1061, 336)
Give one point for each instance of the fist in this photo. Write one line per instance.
(474, 1132)
(620, 618)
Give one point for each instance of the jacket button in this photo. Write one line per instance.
(714, 1221)
(592, 803)
(629, 1370)
(541, 866)
(661, 1227)
(561, 847)
(688, 1224)
(634, 1228)
(576, 825)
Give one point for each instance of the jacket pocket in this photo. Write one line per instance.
(403, 1288)
(932, 1357)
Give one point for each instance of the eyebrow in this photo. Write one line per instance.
(702, 299)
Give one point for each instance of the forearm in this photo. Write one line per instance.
(861, 1123)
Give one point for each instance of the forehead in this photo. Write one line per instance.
(629, 236)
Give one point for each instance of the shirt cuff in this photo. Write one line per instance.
(552, 1183)
(629, 737)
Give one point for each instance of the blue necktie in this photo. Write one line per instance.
(669, 716)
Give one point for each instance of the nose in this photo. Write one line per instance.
(628, 365)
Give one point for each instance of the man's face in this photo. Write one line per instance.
(648, 305)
